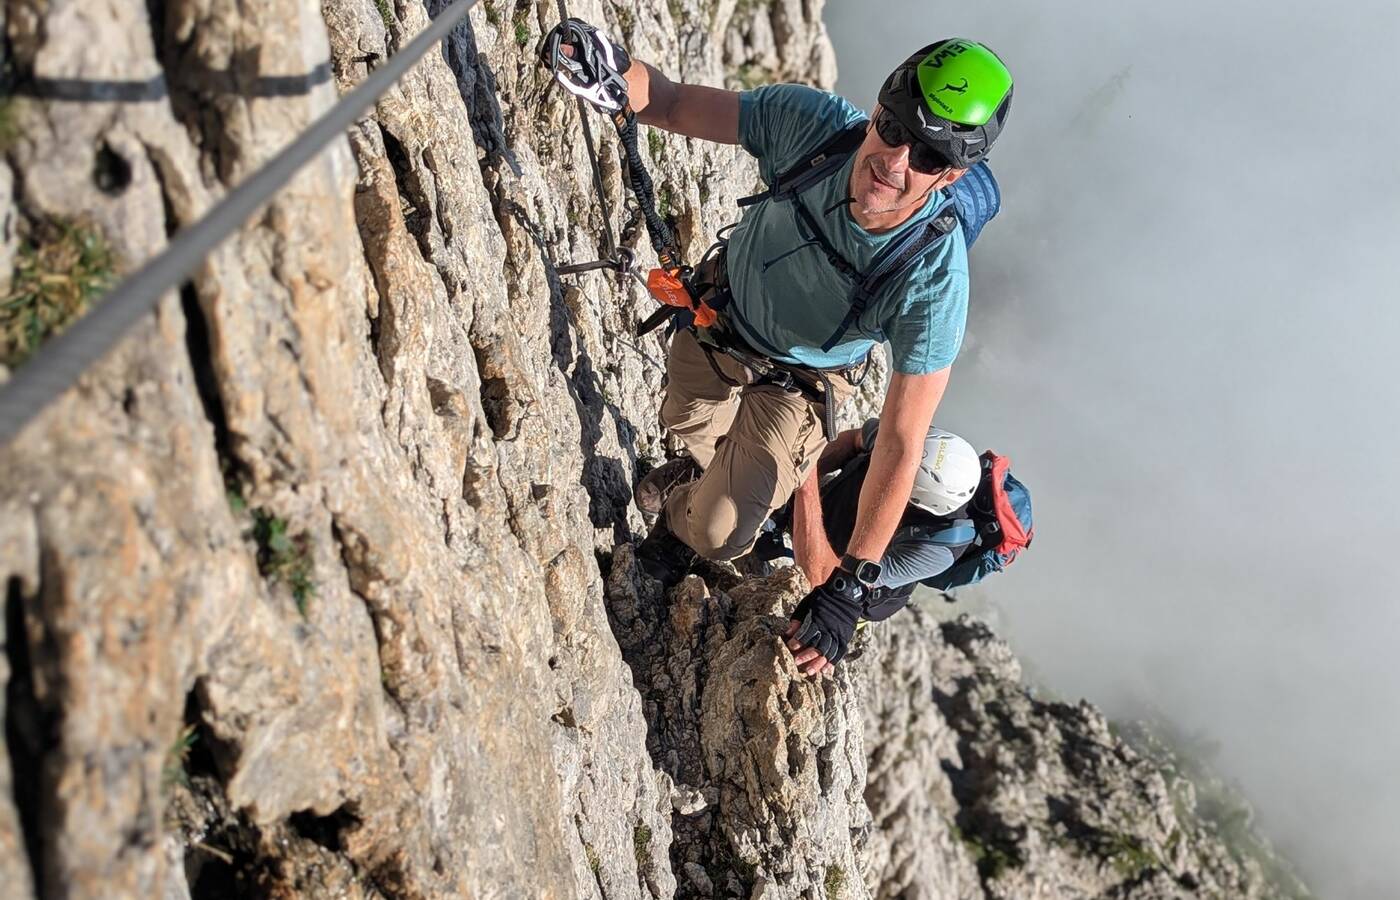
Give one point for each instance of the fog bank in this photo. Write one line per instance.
(1183, 331)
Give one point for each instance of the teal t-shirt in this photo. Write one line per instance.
(794, 303)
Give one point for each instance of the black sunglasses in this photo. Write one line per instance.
(922, 157)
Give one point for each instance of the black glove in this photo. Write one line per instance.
(827, 616)
(594, 71)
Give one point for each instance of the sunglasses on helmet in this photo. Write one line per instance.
(922, 157)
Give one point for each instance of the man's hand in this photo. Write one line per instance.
(824, 622)
(587, 63)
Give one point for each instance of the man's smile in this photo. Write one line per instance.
(892, 182)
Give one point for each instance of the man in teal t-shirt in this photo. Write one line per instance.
(752, 443)
(790, 298)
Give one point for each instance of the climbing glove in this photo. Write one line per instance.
(827, 616)
(594, 69)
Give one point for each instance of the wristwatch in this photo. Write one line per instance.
(863, 570)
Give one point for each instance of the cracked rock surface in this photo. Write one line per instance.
(321, 583)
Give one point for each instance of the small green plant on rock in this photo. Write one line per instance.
(665, 202)
(641, 843)
(1128, 855)
(61, 269)
(835, 882)
(233, 489)
(284, 558)
(522, 34)
(386, 12)
(626, 20)
(750, 75)
(655, 144)
(493, 15)
(990, 857)
(176, 756)
(9, 123)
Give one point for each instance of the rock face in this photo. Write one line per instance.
(978, 789)
(320, 584)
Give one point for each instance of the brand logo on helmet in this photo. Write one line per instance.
(928, 126)
(945, 53)
(956, 88)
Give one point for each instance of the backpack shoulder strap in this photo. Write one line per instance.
(893, 260)
(827, 158)
(954, 533)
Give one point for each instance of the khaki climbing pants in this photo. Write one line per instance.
(756, 443)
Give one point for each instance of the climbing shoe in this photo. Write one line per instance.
(664, 556)
(656, 486)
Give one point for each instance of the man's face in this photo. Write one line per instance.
(882, 181)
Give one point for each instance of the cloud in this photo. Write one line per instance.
(1183, 331)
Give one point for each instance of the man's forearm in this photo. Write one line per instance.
(810, 549)
(650, 92)
(910, 403)
(696, 111)
(883, 498)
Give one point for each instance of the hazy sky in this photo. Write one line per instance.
(1184, 330)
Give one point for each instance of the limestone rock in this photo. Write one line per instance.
(979, 789)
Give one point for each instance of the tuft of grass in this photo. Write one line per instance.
(626, 20)
(176, 756)
(522, 34)
(61, 269)
(727, 864)
(641, 842)
(9, 123)
(990, 857)
(493, 15)
(386, 12)
(655, 145)
(751, 75)
(1128, 855)
(666, 202)
(284, 558)
(835, 882)
(594, 863)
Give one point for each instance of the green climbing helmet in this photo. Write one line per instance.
(952, 95)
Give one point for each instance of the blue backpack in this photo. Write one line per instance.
(975, 200)
(1001, 527)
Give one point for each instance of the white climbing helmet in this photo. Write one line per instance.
(948, 474)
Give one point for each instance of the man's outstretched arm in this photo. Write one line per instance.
(904, 421)
(811, 550)
(707, 113)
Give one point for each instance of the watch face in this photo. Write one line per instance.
(867, 572)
